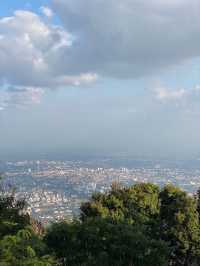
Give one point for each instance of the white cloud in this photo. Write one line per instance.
(77, 80)
(47, 11)
(165, 94)
(185, 100)
(31, 56)
(19, 96)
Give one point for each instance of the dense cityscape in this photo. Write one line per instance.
(56, 189)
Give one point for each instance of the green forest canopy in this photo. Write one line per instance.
(141, 225)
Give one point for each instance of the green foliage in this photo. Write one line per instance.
(116, 228)
(12, 213)
(19, 245)
(180, 225)
(197, 198)
(100, 242)
(142, 225)
(137, 204)
(19, 250)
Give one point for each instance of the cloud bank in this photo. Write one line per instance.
(129, 38)
(117, 39)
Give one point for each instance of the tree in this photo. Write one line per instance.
(137, 204)
(19, 250)
(180, 225)
(197, 197)
(13, 216)
(19, 244)
(61, 239)
(97, 242)
(136, 226)
(116, 228)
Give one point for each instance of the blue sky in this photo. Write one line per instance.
(99, 78)
(9, 6)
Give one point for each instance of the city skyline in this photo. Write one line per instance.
(55, 189)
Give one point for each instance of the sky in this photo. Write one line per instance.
(100, 77)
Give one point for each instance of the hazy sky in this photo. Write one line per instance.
(100, 77)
